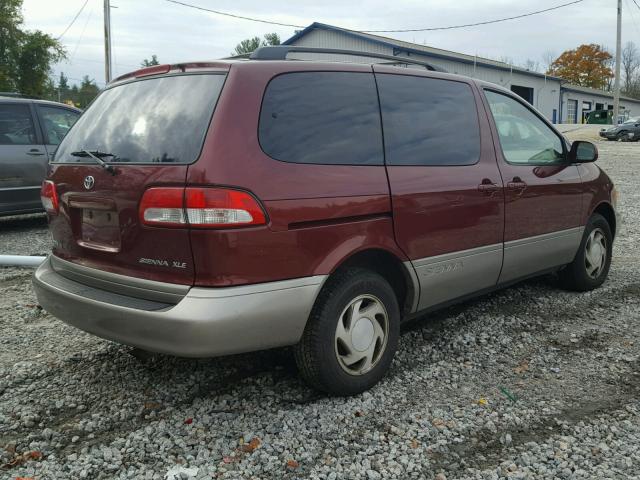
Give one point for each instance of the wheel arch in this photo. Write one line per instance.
(606, 210)
(400, 274)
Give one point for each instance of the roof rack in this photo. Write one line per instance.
(280, 52)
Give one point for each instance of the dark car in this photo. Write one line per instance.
(30, 131)
(212, 208)
(629, 131)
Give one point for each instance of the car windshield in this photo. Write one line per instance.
(632, 120)
(155, 120)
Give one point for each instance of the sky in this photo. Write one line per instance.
(176, 33)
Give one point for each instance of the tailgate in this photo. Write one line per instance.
(148, 131)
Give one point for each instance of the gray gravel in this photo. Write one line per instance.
(528, 383)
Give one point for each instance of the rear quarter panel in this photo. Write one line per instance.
(318, 214)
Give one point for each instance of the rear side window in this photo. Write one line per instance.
(428, 121)
(56, 122)
(322, 118)
(16, 125)
(155, 120)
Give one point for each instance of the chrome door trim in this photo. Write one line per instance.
(454, 255)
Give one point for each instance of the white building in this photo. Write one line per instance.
(554, 97)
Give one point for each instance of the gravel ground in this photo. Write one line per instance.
(528, 383)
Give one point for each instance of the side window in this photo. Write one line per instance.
(428, 121)
(56, 122)
(322, 118)
(16, 125)
(525, 138)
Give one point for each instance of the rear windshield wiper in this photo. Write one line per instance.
(97, 156)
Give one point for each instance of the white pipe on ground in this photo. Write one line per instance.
(20, 260)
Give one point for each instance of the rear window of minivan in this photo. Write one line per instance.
(153, 120)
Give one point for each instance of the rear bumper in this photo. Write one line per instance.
(205, 322)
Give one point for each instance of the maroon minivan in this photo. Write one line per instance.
(206, 209)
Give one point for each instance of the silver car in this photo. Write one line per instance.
(30, 131)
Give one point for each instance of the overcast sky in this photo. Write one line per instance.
(176, 33)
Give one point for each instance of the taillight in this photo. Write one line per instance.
(221, 207)
(163, 207)
(49, 197)
(200, 207)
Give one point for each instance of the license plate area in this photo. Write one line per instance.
(100, 230)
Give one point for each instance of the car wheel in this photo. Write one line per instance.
(590, 266)
(352, 333)
(622, 136)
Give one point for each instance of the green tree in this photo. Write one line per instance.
(150, 63)
(87, 92)
(10, 37)
(25, 56)
(37, 53)
(250, 44)
(63, 87)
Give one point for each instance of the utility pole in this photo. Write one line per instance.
(107, 41)
(616, 87)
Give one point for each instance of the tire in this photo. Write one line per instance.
(590, 270)
(328, 353)
(622, 136)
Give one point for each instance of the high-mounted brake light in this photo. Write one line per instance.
(200, 207)
(153, 70)
(49, 197)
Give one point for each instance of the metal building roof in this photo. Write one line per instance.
(401, 46)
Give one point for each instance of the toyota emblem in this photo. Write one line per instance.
(89, 181)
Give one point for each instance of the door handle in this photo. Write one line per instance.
(517, 184)
(488, 187)
(34, 152)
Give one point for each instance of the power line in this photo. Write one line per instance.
(487, 22)
(84, 28)
(74, 19)
(218, 12)
(430, 29)
(633, 18)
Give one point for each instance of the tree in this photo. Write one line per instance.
(531, 65)
(548, 56)
(586, 66)
(25, 56)
(150, 63)
(250, 44)
(87, 92)
(38, 51)
(10, 34)
(630, 64)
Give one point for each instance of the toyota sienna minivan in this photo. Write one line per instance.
(212, 208)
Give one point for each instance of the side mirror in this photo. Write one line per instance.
(583, 152)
